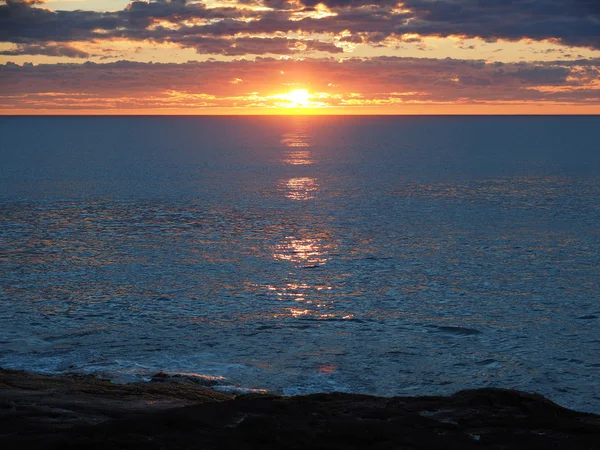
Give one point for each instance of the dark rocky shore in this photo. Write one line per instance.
(65, 412)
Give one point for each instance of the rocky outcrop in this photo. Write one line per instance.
(68, 412)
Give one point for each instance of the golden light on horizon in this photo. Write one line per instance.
(298, 98)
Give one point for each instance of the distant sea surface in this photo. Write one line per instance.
(380, 255)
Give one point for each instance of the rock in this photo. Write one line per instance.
(40, 412)
(159, 377)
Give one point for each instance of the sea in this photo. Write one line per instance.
(386, 255)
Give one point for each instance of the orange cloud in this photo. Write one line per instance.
(349, 86)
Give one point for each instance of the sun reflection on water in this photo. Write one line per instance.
(298, 292)
(306, 294)
(297, 147)
(295, 312)
(307, 252)
(301, 188)
(298, 158)
(297, 139)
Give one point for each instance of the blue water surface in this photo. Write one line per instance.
(382, 255)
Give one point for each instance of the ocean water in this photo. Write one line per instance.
(381, 255)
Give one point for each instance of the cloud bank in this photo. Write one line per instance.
(352, 83)
(292, 44)
(191, 24)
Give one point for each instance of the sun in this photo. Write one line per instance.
(298, 101)
(299, 98)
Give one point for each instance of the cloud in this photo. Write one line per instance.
(254, 46)
(354, 83)
(571, 22)
(37, 28)
(49, 49)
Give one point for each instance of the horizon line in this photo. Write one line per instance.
(303, 115)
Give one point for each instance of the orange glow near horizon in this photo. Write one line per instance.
(458, 109)
(298, 98)
(254, 93)
(298, 101)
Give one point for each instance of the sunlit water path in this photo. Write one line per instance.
(383, 255)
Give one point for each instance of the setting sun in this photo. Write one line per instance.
(299, 98)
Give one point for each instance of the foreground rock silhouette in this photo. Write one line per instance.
(69, 412)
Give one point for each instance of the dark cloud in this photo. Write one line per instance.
(349, 3)
(254, 46)
(49, 49)
(571, 22)
(27, 2)
(574, 22)
(28, 26)
(21, 23)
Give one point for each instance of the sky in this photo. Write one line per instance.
(300, 57)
